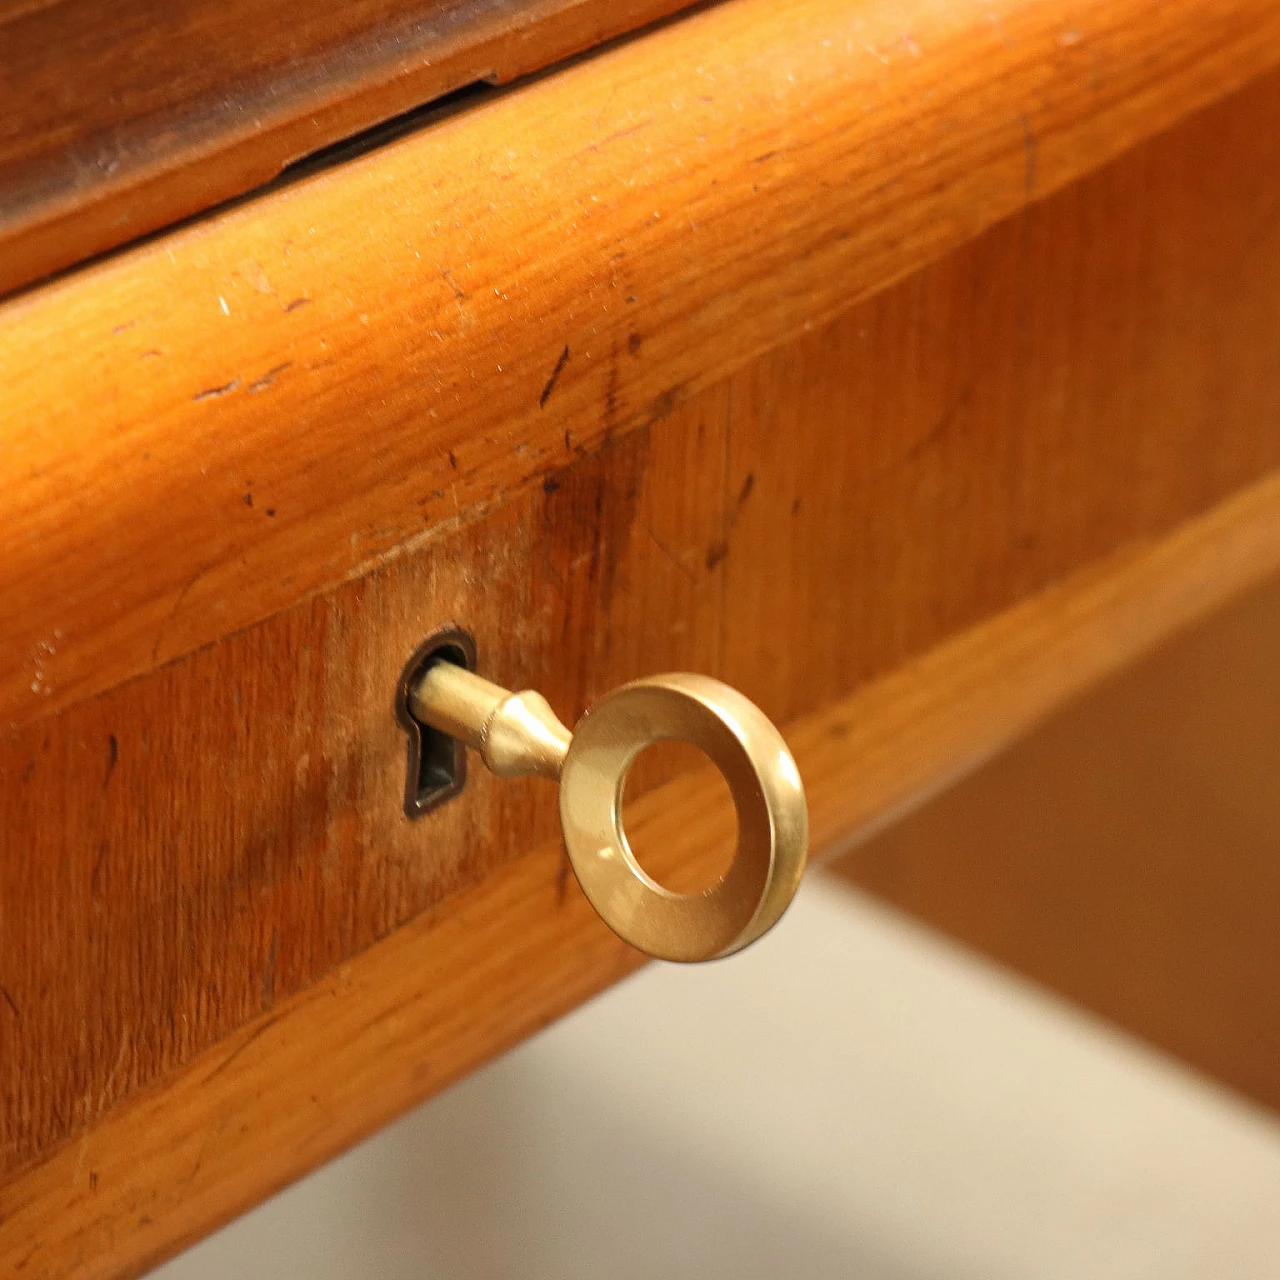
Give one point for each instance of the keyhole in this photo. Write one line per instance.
(437, 763)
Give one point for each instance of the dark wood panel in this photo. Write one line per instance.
(123, 117)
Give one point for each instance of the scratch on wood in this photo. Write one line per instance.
(8, 999)
(199, 1162)
(212, 393)
(239, 1049)
(177, 604)
(296, 303)
(106, 1093)
(269, 377)
(939, 428)
(616, 134)
(555, 374)
(458, 292)
(666, 551)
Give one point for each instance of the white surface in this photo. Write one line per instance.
(852, 1097)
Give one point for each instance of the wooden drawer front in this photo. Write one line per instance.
(187, 850)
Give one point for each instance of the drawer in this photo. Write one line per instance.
(906, 492)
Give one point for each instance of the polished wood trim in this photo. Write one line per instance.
(378, 353)
(124, 118)
(494, 963)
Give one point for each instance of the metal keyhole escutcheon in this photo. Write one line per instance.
(518, 733)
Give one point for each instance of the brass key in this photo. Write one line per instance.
(518, 733)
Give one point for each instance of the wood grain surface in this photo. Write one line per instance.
(224, 951)
(1126, 854)
(376, 356)
(497, 961)
(184, 852)
(125, 117)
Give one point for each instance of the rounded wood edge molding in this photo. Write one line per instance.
(230, 103)
(221, 422)
(384, 1031)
